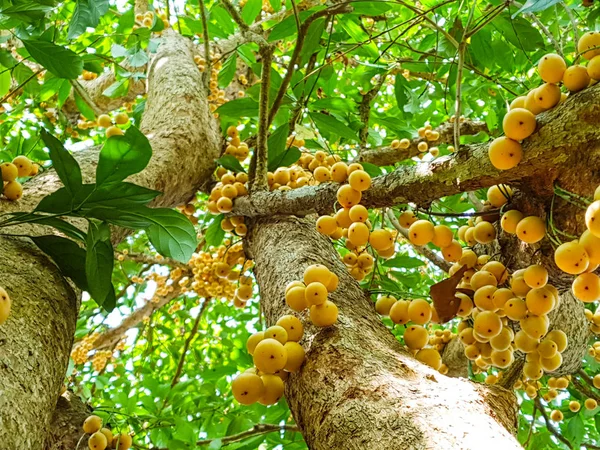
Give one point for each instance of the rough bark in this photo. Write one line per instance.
(37, 338)
(66, 423)
(358, 388)
(566, 143)
(454, 357)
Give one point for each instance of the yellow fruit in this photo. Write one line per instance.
(499, 195)
(497, 269)
(552, 68)
(540, 301)
(518, 286)
(342, 217)
(104, 121)
(487, 324)
(531, 229)
(548, 95)
(296, 298)
(524, 342)
(273, 390)
(421, 232)
(472, 351)
(574, 406)
(339, 172)
(593, 68)
(295, 356)
(591, 244)
(515, 309)
(551, 364)
(465, 307)
(556, 415)
(559, 338)
(535, 326)
(535, 276)
(113, 131)
(483, 298)
(97, 441)
(13, 190)
(247, 388)
(23, 165)
(419, 311)
(452, 252)
(470, 237)
(347, 196)
(483, 278)
(468, 258)
(531, 103)
(253, 341)
(547, 348)
(381, 239)
(597, 193)
(322, 174)
(571, 258)
(503, 340)
(122, 442)
(596, 381)
(92, 424)
(518, 102)
(576, 78)
(359, 180)
(316, 273)
(590, 40)
(484, 232)
(358, 213)
(518, 124)
(430, 356)
(399, 312)
(122, 118)
(533, 371)
(384, 305)
(326, 225)
(276, 332)
(9, 172)
(108, 434)
(501, 297)
(324, 315)
(502, 358)
(586, 287)
(269, 356)
(315, 293)
(442, 236)
(358, 234)
(592, 218)
(505, 153)
(407, 218)
(590, 404)
(416, 337)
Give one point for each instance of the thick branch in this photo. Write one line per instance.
(261, 157)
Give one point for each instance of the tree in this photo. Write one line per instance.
(176, 163)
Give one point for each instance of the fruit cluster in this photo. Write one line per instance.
(112, 128)
(103, 438)
(225, 191)
(21, 166)
(217, 96)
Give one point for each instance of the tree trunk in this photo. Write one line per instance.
(358, 388)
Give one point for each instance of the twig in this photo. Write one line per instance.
(526, 443)
(301, 36)
(425, 251)
(256, 430)
(15, 90)
(491, 16)
(260, 174)
(572, 19)
(364, 108)
(551, 428)
(146, 259)
(207, 59)
(416, 10)
(235, 15)
(585, 376)
(296, 16)
(476, 202)
(584, 389)
(86, 97)
(547, 32)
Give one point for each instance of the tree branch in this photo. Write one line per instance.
(206, 43)
(364, 109)
(547, 32)
(573, 22)
(551, 428)
(261, 157)
(584, 389)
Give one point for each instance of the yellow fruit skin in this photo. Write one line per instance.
(589, 40)
(531, 229)
(269, 356)
(5, 304)
(576, 78)
(552, 68)
(92, 424)
(295, 356)
(97, 441)
(324, 315)
(505, 153)
(519, 124)
(24, 166)
(592, 218)
(122, 442)
(593, 68)
(9, 172)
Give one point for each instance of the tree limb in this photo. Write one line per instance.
(551, 428)
(364, 108)
(261, 157)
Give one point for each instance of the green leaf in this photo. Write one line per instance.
(215, 445)
(276, 145)
(401, 91)
(330, 124)
(59, 60)
(122, 156)
(241, 107)
(85, 109)
(63, 162)
(230, 162)
(575, 430)
(214, 233)
(117, 89)
(172, 234)
(404, 261)
(227, 72)
(120, 195)
(87, 14)
(372, 169)
(68, 256)
(251, 10)
(536, 5)
(519, 32)
(99, 263)
(5, 80)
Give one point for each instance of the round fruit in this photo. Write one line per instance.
(108, 434)
(318, 273)
(339, 171)
(593, 68)
(442, 236)
(499, 195)
(295, 356)
(524, 342)
(576, 78)
(407, 218)
(592, 218)
(430, 356)
(518, 102)
(421, 232)
(315, 293)
(519, 124)
(9, 171)
(571, 258)
(505, 153)
(121, 118)
(247, 388)
(483, 278)
(559, 337)
(574, 406)
(381, 239)
(113, 131)
(548, 95)
(487, 324)
(253, 341)
(466, 305)
(13, 190)
(293, 326)
(591, 244)
(324, 315)
(556, 415)
(502, 358)
(347, 196)
(326, 225)
(510, 220)
(484, 232)
(97, 441)
(535, 326)
(122, 442)
(276, 332)
(384, 305)
(531, 229)
(273, 391)
(535, 276)
(359, 180)
(533, 371)
(452, 252)
(269, 356)
(296, 298)
(515, 309)
(501, 297)
(540, 301)
(358, 234)
(497, 269)
(416, 337)
(551, 68)
(531, 103)
(92, 424)
(590, 40)
(586, 287)
(419, 311)
(399, 312)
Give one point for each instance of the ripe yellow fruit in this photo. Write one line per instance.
(318, 273)
(468, 258)
(576, 78)
(421, 232)
(269, 356)
(574, 406)
(253, 341)
(552, 68)
(470, 237)
(431, 357)
(384, 304)
(535, 276)
(501, 297)
(503, 340)
(510, 220)
(419, 311)
(358, 213)
(358, 234)
(472, 352)
(326, 225)
(422, 146)
(442, 236)
(559, 337)
(381, 239)
(483, 278)
(487, 324)
(571, 258)
(533, 371)
(293, 326)
(104, 121)
(416, 337)
(452, 252)
(505, 153)
(347, 196)
(592, 218)
(531, 103)
(586, 287)
(296, 298)
(484, 298)
(497, 269)
(539, 301)
(9, 172)
(515, 309)
(339, 171)
(342, 217)
(273, 391)
(92, 424)
(365, 261)
(97, 441)
(23, 165)
(590, 404)
(466, 305)
(590, 40)
(524, 342)
(359, 180)
(122, 118)
(295, 356)
(591, 244)
(547, 348)
(551, 364)
(548, 95)
(484, 232)
(399, 312)
(498, 195)
(13, 190)
(518, 124)
(324, 315)
(597, 193)
(113, 131)
(108, 434)
(502, 358)
(407, 218)
(596, 381)
(531, 229)
(518, 286)
(536, 327)
(556, 415)
(322, 174)
(593, 68)
(276, 332)
(315, 293)
(122, 442)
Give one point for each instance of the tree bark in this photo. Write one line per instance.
(65, 427)
(358, 388)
